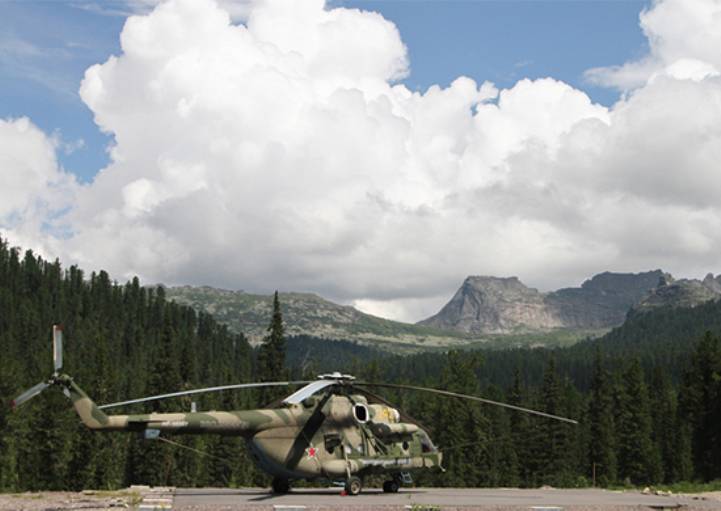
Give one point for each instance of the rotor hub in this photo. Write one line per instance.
(336, 376)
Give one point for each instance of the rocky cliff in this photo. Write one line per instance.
(495, 305)
(506, 305)
(681, 293)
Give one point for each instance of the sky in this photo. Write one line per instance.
(373, 152)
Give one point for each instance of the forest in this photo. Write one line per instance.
(647, 396)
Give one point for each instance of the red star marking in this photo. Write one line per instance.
(311, 452)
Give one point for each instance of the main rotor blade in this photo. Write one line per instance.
(207, 389)
(29, 394)
(58, 347)
(299, 395)
(466, 396)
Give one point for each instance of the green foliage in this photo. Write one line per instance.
(700, 402)
(122, 341)
(638, 458)
(602, 434)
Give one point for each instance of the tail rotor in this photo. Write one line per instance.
(57, 364)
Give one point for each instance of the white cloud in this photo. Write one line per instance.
(283, 153)
(34, 189)
(683, 37)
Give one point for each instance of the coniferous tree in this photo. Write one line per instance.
(700, 405)
(519, 428)
(271, 355)
(664, 418)
(550, 440)
(602, 442)
(638, 458)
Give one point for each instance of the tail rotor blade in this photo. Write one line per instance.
(29, 394)
(58, 347)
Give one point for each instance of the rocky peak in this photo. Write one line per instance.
(712, 283)
(681, 293)
(485, 304)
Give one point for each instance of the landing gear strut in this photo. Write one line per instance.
(353, 486)
(280, 485)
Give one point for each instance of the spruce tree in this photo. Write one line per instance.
(271, 356)
(602, 442)
(519, 429)
(639, 461)
(700, 405)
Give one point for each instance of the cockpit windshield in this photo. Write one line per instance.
(426, 444)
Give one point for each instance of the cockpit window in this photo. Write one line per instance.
(426, 444)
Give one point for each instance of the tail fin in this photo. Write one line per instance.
(92, 416)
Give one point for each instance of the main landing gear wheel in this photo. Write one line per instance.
(353, 486)
(280, 486)
(391, 486)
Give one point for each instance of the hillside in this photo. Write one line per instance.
(309, 314)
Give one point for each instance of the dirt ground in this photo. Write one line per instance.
(57, 501)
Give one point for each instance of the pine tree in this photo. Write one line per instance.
(700, 405)
(602, 442)
(271, 356)
(638, 458)
(519, 429)
(665, 427)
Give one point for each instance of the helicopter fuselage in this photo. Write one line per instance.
(329, 436)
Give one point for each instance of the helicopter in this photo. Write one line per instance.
(333, 428)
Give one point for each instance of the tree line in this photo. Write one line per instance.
(642, 419)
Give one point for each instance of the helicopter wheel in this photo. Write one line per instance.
(280, 486)
(391, 486)
(353, 486)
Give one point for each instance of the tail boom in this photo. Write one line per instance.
(241, 423)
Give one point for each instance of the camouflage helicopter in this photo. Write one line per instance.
(333, 428)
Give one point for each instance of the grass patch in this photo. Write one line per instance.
(680, 487)
(691, 487)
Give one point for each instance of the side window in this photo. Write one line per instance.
(332, 440)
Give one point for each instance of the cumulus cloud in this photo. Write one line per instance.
(285, 152)
(683, 38)
(34, 189)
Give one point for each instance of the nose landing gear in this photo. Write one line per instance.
(353, 486)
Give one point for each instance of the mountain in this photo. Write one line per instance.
(496, 305)
(309, 314)
(681, 293)
(488, 312)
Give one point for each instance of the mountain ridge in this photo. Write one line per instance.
(504, 305)
(494, 312)
(308, 314)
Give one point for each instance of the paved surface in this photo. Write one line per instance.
(445, 498)
(154, 499)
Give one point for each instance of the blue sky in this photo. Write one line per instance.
(45, 47)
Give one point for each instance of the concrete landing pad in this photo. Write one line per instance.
(445, 498)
